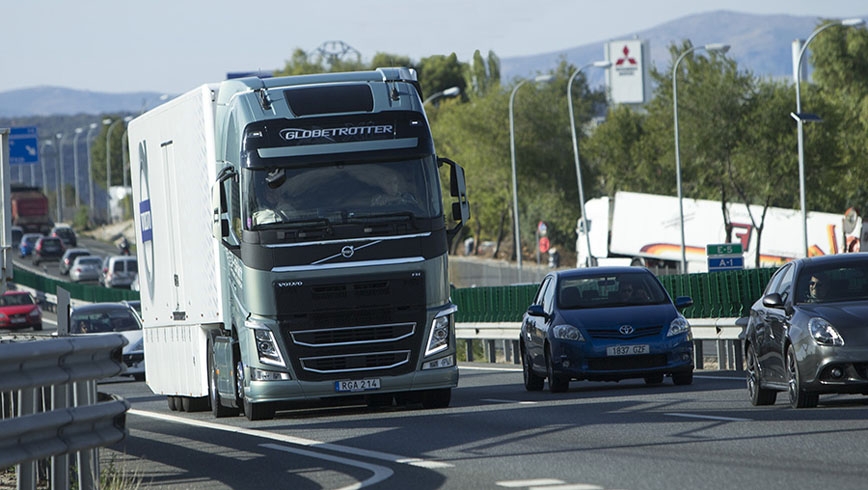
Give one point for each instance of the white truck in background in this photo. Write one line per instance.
(292, 244)
(645, 229)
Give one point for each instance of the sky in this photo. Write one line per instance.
(172, 46)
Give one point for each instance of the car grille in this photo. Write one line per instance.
(622, 363)
(613, 333)
(344, 326)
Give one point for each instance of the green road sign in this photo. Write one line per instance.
(724, 249)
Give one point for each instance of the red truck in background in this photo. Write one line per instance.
(30, 209)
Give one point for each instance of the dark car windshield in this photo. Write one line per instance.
(605, 291)
(15, 300)
(830, 283)
(101, 321)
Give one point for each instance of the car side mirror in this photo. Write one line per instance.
(536, 310)
(682, 302)
(773, 300)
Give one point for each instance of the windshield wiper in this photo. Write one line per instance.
(381, 217)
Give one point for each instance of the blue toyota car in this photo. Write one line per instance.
(605, 324)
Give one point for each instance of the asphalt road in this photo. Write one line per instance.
(497, 435)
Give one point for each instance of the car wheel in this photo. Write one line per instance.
(557, 384)
(683, 378)
(532, 382)
(799, 398)
(654, 379)
(758, 394)
(217, 408)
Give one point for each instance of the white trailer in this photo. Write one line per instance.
(645, 229)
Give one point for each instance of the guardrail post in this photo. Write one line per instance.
(698, 354)
(490, 351)
(468, 350)
(507, 351)
(60, 463)
(87, 460)
(516, 358)
(26, 406)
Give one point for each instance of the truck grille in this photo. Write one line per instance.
(373, 327)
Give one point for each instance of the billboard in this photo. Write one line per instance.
(628, 78)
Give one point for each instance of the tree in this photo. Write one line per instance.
(439, 72)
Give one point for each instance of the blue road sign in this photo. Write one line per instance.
(725, 263)
(23, 146)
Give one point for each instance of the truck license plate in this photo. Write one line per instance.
(353, 385)
(627, 350)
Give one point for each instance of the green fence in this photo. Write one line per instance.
(84, 292)
(726, 294)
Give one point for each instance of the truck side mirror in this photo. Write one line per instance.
(458, 189)
(219, 220)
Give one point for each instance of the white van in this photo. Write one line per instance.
(118, 271)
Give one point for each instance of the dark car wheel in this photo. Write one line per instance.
(758, 394)
(799, 398)
(557, 384)
(532, 382)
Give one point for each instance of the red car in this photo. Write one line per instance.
(19, 310)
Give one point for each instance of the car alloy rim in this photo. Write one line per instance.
(751, 374)
(792, 382)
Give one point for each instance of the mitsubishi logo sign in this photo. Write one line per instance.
(628, 79)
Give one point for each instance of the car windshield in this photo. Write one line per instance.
(15, 300)
(847, 282)
(102, 321)
(89, 261)
(605, 291)
(343, 193)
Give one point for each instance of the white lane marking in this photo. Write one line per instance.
(501, 400)
(483, 368)
(298, 441)
(707, 417)
(381, 473)
(529, 483)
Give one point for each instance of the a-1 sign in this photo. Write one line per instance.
(725, 257)
(23, 146)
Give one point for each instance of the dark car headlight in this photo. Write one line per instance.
(567, 332)
(678, 326)
(823, 332)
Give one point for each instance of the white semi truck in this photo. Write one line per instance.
(645, 229)
(292, 244)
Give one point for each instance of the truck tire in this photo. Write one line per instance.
(258, 411)
(217, 408)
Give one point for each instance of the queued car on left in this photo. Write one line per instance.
(808, 335)
(604, 324)
(101, 318)
(68, 257)
(28, 243)
(19, 310)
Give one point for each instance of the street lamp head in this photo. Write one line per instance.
(852, 22)
(93, 125)
(59, 135)
(106, 121)
(543, 78)
(78, 130)
(451, 91)
(717, 47)
(602, 64)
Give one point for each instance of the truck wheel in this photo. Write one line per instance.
(173, 403)
(436, 398)
(217, 407)
(258, 411)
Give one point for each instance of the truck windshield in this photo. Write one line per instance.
(342, 193)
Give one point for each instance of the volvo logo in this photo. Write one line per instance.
(626, 329)
(347, 251)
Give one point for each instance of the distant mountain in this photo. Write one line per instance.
(50, 101)
(759, 43)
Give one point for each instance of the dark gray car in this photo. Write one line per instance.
(807, 334)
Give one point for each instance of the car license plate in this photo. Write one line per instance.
(357, 385)
(627, 350)
(17, 319)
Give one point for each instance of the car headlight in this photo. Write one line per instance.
(35, 313)
(567, 332)
(824, 333)
(678, 326)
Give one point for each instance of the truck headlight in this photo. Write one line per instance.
(441, 329)
(266, 347)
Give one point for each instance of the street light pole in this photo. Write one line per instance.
(538, 79)
(59, 176)
(449, 92)
(78, 132)
(597, 64)
(801, 125)
(42, 164)
(723, 48)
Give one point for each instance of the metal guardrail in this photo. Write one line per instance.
(725, 333)
(50, 407)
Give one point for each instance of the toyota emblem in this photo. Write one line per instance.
(626, 329)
